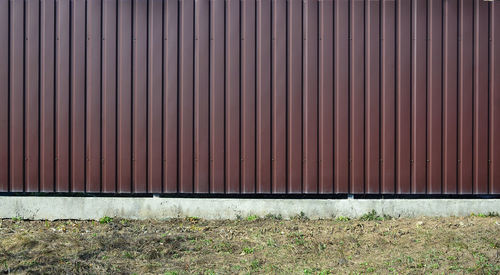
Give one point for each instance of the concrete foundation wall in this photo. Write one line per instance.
(85, 208)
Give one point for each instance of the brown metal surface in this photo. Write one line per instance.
(250, 96)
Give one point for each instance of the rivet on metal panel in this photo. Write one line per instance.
(458, 161)
(381, 160)
(56, 158)
(26, 159)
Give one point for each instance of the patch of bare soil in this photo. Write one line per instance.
(373, 244)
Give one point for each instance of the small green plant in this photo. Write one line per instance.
(171, 273)
(299, 238)
(370, 269)
(370, 216)
(302, 216)
(223, 247)
(17, 219)
(248, 250)
(373, 216)
(105, 220)
(271, 243)
(252, 218)
(274, 217)
(342, 219)
(255, 264)
(488, 215)
(127, 255)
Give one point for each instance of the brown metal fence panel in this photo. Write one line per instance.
(250, 96)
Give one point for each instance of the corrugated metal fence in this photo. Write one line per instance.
(246, 96)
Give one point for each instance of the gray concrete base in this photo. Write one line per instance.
(91, 208)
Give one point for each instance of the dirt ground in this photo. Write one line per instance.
(372, 244)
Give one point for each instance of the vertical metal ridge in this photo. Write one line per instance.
(326, 98)
(117, 48)
(466, 97)
(248, 106)
(450, 89)
(388, 97)
(494, 187)
(155, 100)
(310, 114)
(357, 93)
(232, 96)
(278, 101)
(419, 98)
(372, 97)
(108, 97)
(4, 94)
(294, 84)
(170, 161)
(341, 94)
(186, 90)
(16, 114)
(32, 96)
(201, 96)
(62, 99)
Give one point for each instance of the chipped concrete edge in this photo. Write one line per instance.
(92, 208)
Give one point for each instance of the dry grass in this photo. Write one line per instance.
(373, 244)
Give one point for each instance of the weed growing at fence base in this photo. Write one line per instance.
(372, 244)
